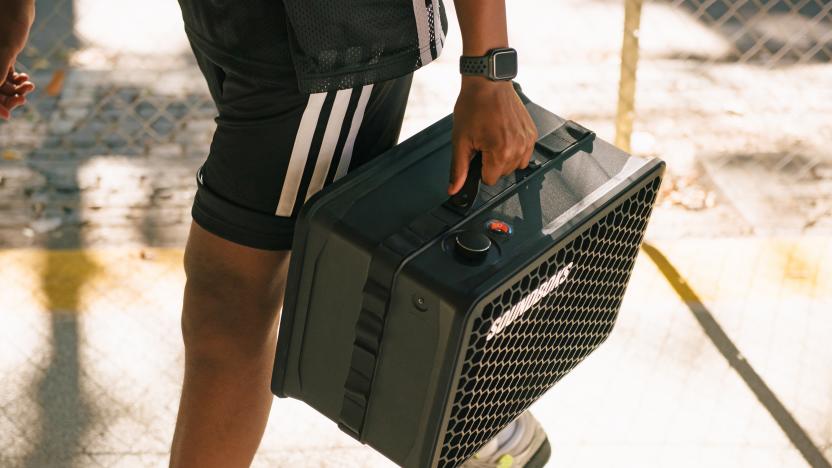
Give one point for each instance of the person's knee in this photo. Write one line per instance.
(227, 314)
(232, 300)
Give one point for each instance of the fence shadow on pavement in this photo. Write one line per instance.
(65, 412)
(146, 137)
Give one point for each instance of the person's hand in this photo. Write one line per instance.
(16, 17)
(489, 117)
(13, 92)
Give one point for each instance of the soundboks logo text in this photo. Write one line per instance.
(501, 322)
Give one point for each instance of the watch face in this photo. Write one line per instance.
(505, 64)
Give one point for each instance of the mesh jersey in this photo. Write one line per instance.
(325, 44)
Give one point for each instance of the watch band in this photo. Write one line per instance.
(474, 65)
(498, 64)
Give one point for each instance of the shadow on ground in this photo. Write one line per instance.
(123, 120)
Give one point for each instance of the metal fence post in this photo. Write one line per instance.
(629, 66)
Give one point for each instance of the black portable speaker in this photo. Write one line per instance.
(423, 325)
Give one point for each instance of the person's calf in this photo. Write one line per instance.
(229, 319)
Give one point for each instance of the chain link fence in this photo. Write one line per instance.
(756, 72)
(767, 33)
(735, 95)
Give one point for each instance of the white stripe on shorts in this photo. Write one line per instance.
(333, 131)
(300, 153)
(346, 153)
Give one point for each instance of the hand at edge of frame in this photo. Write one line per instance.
(15, 22)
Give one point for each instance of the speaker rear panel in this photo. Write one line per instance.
(505, 373)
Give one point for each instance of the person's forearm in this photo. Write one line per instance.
(483, 25)
(16, 17)
(18, 10)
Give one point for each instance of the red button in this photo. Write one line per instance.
(499, 227)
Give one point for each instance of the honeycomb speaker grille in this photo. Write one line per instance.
(543, 325)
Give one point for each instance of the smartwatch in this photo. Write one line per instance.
(497, 65)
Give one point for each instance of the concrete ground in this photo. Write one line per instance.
(721, 353)
(95, 381)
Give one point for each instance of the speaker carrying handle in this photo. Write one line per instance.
(563, 141)
(462, 201)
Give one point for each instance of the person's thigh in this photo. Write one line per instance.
(275, 147)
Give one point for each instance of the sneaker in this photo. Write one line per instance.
(521, 444)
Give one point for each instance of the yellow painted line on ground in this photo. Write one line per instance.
(744, 269)
(788, 424)
(735, 269)
(57, 280)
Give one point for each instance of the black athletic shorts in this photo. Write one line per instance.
(275, 147)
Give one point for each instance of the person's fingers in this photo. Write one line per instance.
(519, 161)
(24, 88)
(525, 147)
(22, 79)
(460, 160)
(4, 113)
(19, 78)
(17, 101)
(493, 167)
(16, 83)
(7, 88)
(526, 156)
(10, 102)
